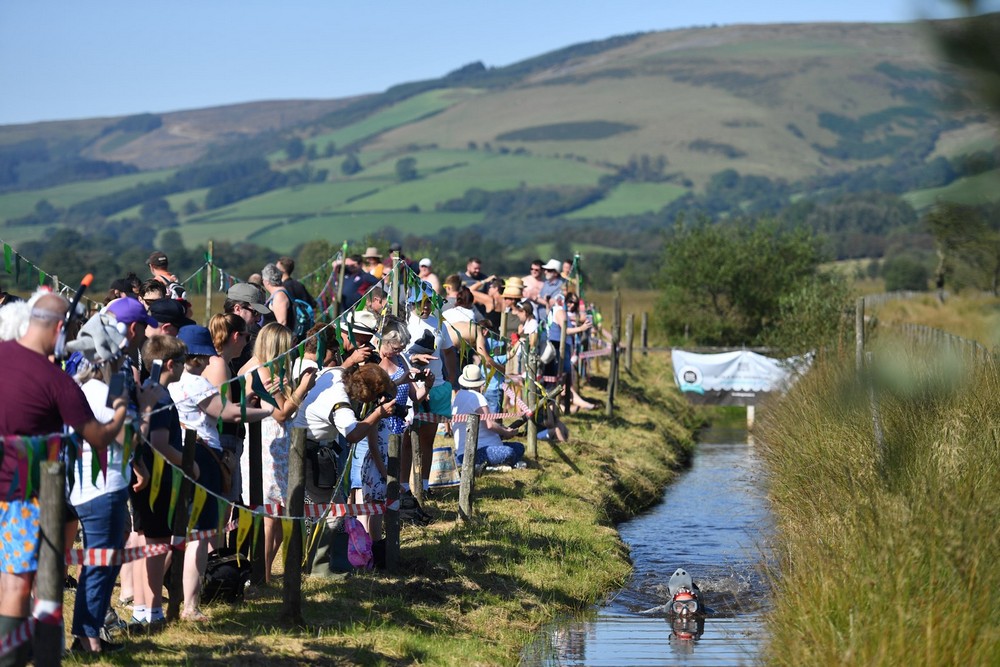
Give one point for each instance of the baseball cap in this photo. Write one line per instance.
(553, 265)
(157, 259)
(170, 311)
(128, 310)
(426, 261)
(248, 293)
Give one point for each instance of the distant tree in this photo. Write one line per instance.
(472, 146)
(724, 282)
(157, 213)
(351, 165)
(905, 272)
(295, 148)
(190, 207)
(311, 152)
(811, 315)
(329, 149)
(406, 169)
(321, 176)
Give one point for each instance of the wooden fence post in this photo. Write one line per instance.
(859, 334)
(257, 564)
(208, 283)
(645, 333)
(468, 469)
(417, 479)
(48, 637)
(616, 327)
(629, 331)
(291, 599)
(391, 497)
(179, 527)
(530, 373)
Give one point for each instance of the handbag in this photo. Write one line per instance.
(444, 468)
(548, 353)
(323, 462)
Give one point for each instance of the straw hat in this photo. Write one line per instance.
(514, 281)
(512, 292)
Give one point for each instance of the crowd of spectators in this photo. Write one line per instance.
(142, 358)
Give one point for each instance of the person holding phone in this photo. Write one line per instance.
(101, 502)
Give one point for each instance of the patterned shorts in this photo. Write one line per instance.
(19, 536)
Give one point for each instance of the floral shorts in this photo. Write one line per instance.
(19, 536)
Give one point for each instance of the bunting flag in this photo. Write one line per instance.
(8, 254)
(223, 506)
(257, 519)
(286, 537)
(197, 504)
(176, 477)
(243, 525)
(127, 446)
(154, 483)
(243, 399)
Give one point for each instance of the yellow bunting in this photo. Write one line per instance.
(286, 536)
(197, 505)
(154, 483)
(243, 526)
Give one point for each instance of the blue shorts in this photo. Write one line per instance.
(439, 399)
(19, 533)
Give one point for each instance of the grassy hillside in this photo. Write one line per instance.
(785, 102)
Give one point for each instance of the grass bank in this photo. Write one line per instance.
(887, 554)
(542, 543)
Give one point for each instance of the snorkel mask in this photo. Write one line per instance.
(684, 603)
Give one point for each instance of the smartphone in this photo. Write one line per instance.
(155, 369)
(115, 388)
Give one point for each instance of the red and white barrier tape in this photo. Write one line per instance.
(109, 557)
(336, 509)
(45, 611)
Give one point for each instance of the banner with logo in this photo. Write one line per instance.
(733, 378)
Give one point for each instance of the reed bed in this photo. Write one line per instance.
(887, 551)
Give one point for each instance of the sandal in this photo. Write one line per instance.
(195, 616)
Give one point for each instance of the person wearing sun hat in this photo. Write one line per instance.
(373, 262)
(199, 407)
(492, 450)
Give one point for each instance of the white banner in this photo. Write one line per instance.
(733, 378)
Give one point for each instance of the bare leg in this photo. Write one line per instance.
(127, 578)
(272, 542)
(155, 567)
(357, 498)
(195, 562)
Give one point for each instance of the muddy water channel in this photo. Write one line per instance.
(714, 522)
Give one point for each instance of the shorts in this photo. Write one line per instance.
(210, 478)
(152, 523)
(439, 399)
(19, 530)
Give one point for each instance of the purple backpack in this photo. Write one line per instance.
(359, 544)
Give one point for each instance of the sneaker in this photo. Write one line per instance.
(112, 625)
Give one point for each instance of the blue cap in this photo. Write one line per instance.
(198, 340)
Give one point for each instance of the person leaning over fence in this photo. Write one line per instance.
(200, 407)
(273, 344)
(491, 449)
(161, 432)
(37, 398)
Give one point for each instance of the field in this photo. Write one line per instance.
(631, 199)
(17, 204)
(972, 190)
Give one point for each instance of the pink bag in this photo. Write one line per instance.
(359, 544)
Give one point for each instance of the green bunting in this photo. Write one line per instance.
(243, 398)
(8, 254)
(176, 477)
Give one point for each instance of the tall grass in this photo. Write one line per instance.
(888, 553)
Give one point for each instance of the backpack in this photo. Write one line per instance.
(359, 544)
(172, 288)
(304, 315)
(226, 577)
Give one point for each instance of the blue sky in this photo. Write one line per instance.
(71, 59)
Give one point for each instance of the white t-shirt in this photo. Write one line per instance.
(530, 327)
(300, 365)
(442, 341)
(315, 412)
(85, 490)
(187, 393)
(467, 402)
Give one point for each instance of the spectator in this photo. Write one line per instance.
(356, 282)
(273, 342)
(199, 408)
(310, 358)
(296, 289)
(427, 274)
(452, 284)
(478, 284)
(376, 300)
(119, 289)
(397, 249)
(151, 290)
(255, 279)
(132, 314)
(559, 317)
(279, 301)
(162, 434)
(491, 450)
(431, 349)
(533, 281)
(229, 337)
(245, 300)
(465, 332)
(373, 262)
(170, 316)
(159, 266)
(38, 398)
(552, 286)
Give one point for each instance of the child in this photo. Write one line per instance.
(161, 428)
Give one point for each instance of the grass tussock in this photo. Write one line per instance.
(542, 543)
(887, 553)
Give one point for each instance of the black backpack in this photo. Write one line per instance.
(226, 577)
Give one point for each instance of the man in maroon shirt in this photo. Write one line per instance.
(36, 398)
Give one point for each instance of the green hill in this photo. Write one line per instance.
(636, 128)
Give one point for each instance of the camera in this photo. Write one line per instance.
(399, 411)
(374, 357)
